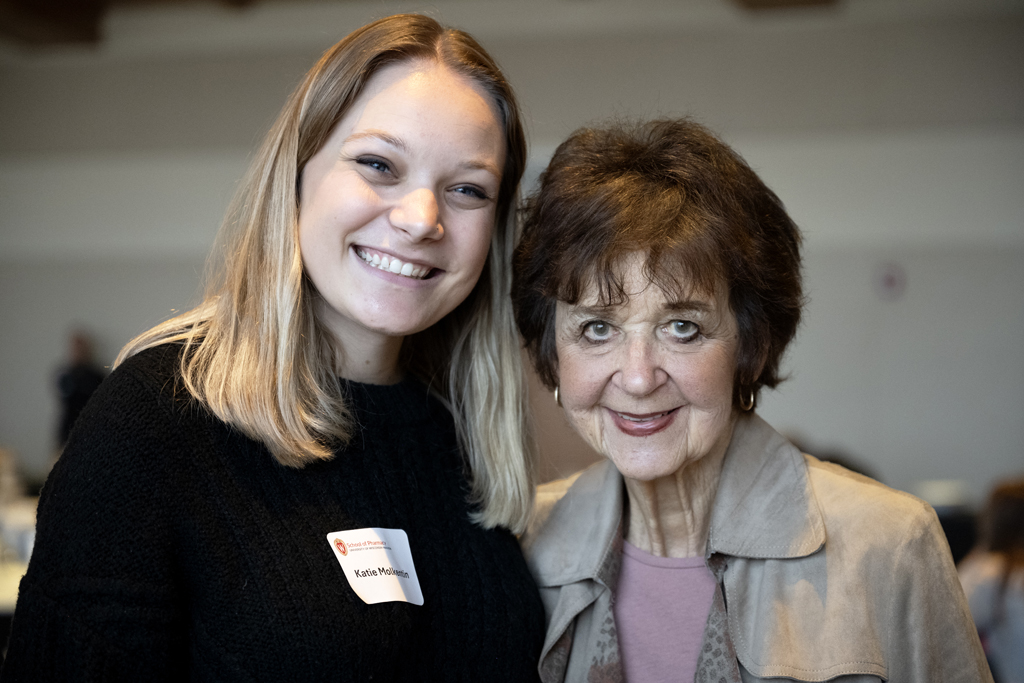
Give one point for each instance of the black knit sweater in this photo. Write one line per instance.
(170, 547)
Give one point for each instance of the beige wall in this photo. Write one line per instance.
(892, 141)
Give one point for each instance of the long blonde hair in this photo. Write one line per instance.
(255, 353)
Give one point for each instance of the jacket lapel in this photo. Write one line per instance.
(764, 507)
(578, 549)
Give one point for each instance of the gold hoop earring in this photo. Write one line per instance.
(747, 405)
(558, 399)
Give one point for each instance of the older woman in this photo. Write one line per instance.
(657, 285)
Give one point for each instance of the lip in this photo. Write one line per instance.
(431, 271)
(642, 424)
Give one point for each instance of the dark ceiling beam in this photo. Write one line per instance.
(46, 22)
(53, 22)
(784, 4)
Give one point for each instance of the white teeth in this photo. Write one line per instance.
(643, 419)
(393, 265)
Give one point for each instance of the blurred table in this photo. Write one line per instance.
(10, 577)
(17, 536)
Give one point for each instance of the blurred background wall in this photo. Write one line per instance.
(893, 131)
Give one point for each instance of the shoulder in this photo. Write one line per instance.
(155, 367)
(136, 383)
(125, 467)
(575, 523)
(546, 498)
(133, 426)
(852, 503)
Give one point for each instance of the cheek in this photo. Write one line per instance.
(581, 381)
(709, 382)
(309, 238)
(474, 243)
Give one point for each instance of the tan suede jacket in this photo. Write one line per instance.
(826, 575)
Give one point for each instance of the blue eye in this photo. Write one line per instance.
(375, 163)
(471, 191)
(683, 330)
(597, 330)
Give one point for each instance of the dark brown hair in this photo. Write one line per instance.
(1002, 532)
(671, 190)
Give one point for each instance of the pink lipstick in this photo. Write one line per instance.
(633, 424)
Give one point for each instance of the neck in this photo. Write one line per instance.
(671, 516)
(362, 355)
(370, 366)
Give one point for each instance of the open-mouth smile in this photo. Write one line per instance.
(646, 424)
(391, 264)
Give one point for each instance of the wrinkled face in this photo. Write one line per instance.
(397, 209)
(649, 383)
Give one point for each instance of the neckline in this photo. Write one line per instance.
(644, 557)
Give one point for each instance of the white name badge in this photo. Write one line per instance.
(378, 564)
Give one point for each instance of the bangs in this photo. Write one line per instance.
(677, 240)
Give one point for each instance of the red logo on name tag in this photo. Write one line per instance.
(340, 545)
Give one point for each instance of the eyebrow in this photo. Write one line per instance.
(398, 143)
(378, 135)
(688, 305)
(669, 307)
(483, 166)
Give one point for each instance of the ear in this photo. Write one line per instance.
(746, 376)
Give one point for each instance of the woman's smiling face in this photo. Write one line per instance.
(397, 209)
(648, 383)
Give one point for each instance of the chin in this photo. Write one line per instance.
(644, 467)
(396, 323)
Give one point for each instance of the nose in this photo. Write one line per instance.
(417, 215)
(641, 373)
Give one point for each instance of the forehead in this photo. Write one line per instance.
(427, 98)
(634, 278)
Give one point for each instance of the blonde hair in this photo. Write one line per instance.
(255, 353)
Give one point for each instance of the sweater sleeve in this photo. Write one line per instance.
(933, 635)
(101, 598)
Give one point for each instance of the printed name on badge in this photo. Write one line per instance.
(378, 564)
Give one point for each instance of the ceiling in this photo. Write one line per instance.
(33, 28)
(56, 22)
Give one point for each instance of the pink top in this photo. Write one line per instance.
(661, 608)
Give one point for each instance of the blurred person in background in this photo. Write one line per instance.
(355, 371)
(76, 382)
(657, 285)
(993, 579)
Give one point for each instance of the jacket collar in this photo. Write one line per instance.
(583, 530)
(764, 508)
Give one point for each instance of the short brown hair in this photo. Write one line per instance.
(672, 190)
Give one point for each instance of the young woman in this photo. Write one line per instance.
(316, 473)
